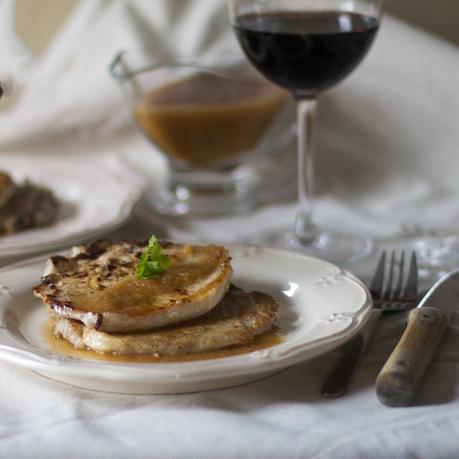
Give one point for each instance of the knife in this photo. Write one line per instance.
(400, 377)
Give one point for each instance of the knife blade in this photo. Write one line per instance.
(402, 374)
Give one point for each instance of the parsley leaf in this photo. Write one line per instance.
(153, 262)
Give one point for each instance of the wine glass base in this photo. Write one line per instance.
(337, 248)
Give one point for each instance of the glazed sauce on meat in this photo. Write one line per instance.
(208, 119)
(133, 296)
(63, 347)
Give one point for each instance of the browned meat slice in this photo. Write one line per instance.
(237, 319)
(98, 285)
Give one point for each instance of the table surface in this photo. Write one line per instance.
(280, 416)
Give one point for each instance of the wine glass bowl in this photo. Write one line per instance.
(306, 53)
(307, 47)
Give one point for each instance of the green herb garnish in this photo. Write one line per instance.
(152, 262)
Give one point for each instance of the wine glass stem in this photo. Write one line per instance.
(305, 229)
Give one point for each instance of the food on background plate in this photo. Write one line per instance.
(7, 187)
(25, 205)
(151, 297)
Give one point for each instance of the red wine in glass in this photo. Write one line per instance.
(305, 52)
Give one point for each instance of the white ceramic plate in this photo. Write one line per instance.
(93, 201)
(321, 307)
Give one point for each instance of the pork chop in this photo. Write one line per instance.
(98, 286)
(236, 320)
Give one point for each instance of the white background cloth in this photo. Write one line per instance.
(388, 141)
(385, 136)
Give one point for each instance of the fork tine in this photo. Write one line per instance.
(398, 288)
(390, 278)
(410, 292)
(377, 282)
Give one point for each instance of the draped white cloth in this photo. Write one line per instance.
(386, 136)
(387, 140)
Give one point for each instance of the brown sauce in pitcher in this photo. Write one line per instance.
(209, 120)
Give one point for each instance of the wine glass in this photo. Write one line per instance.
(306, 47)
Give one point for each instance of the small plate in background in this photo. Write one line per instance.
(93, 200)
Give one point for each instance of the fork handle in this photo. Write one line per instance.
(402, 374)
(340, 378)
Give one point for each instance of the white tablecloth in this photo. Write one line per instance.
(396, 125)
(283, 416)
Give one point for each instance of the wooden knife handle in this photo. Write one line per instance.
(401, 375)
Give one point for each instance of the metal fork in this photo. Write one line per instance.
(388, 295)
